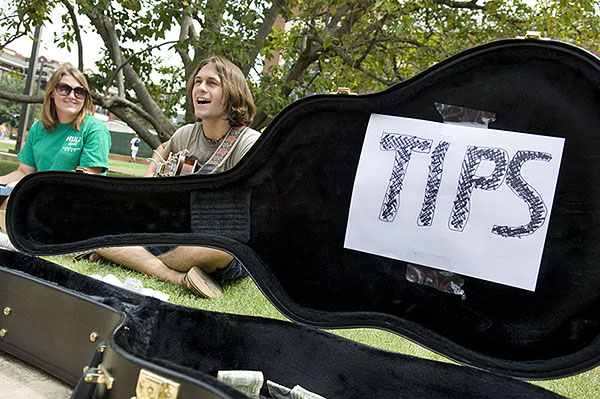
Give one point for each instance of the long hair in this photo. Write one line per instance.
(239, 103)
(49, 115)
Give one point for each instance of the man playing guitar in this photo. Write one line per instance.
(224, 106)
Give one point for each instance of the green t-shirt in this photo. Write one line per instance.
(65, 148)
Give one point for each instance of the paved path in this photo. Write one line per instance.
(19, 380)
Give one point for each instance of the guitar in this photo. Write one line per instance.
(176, 164)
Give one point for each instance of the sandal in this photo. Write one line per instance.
(92, 256)
(202, 284)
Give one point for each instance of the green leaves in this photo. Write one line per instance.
(9, 110)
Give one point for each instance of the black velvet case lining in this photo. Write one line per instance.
(199, 343)
(289, 200)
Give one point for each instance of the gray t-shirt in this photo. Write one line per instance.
(191, 137)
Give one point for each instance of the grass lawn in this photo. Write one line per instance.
(123, 168)
(115, 167)
(5, 146)
(244, 297)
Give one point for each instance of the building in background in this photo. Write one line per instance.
(14, 63)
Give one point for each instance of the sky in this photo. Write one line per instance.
(49, 50)
(91, 48)
(92, 45)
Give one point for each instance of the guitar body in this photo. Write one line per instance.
(289, 199)
(176, 165)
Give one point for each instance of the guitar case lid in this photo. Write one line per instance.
(283, 211)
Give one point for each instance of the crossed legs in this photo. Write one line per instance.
(169, 266)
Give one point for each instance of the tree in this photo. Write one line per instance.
(366, 45)
(10, 110)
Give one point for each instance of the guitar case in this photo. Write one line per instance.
(283, 211)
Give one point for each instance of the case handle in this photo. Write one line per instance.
(92, 376)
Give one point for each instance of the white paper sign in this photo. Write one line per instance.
(468, 200)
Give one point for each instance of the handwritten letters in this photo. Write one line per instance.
(468, 200)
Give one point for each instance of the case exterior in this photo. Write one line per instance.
(49, 329)
(141, 342)
(287, 208)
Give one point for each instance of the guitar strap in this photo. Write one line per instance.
(219, 156)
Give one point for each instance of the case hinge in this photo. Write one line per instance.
(153, 386)
(97, 375)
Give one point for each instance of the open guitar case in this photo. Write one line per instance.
(283, 212)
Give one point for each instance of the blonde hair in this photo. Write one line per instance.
(238, 100)
(49, 115)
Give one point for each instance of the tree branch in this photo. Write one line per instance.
(187, 31)
(15, 22)
(137, 125)
(262, 34)
(21, 98)
(116, 71)
(107, 31)
(117, 101)
(77, 32)
(340, 52)
(11, 39)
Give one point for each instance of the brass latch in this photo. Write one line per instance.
(99, 376)
(344, 90)
(153, 386)
(533, 34)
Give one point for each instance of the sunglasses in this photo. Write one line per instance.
(64, 89)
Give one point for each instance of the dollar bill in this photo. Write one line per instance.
(278, 391)
(249, 382)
